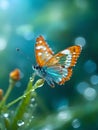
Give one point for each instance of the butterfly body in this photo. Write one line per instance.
(39, 71)
(54, 68)
(47, 74)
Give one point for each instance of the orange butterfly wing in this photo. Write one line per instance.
(42, 51)
(66, 59)
(67, 77)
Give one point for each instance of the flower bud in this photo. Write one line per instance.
(1, 94)
(15, 75)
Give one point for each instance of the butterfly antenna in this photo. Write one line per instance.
(23, 54)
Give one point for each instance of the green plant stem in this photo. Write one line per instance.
(22, 106)
(25, 94)
(11, 85)
(18, 99)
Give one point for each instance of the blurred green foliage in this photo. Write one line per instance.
(63, 23)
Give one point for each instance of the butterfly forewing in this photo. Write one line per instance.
(75, 52)
(66, 58)
(42, 51)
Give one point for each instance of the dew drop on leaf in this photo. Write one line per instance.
(20, 123)
(5, 115)
(32, 100)
(24, 96)
(31, 79)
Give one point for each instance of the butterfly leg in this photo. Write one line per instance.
(50, 82)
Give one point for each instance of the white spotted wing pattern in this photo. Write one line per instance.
(43, 51)
(59, 66)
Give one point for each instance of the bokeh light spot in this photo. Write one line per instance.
(60, 104)
(90, 66)
(3, 44)
(47, 127)
(62, 115)
(76, 123)
(90, 93)
(94, 79)
(26, 31)
(4, 4)
(55, 13)
(18, 84)
(80, 41)
(82, 86)
(82, 4)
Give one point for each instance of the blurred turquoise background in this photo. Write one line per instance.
(63, 23)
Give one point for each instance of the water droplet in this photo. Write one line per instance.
(24, 96)
(5, 115)
(26, 115)
(31, 79)
(33, 104)
(76, 123)
(20, 123)
(90, 93)
(32, 90)
(90, 66)
(80, 41)
(32, 100)
(94, 79)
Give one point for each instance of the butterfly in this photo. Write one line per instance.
(54, 68)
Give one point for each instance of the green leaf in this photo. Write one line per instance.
(22, 106)
(7, 123)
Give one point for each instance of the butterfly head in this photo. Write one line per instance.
(40, 71)
(36, 67)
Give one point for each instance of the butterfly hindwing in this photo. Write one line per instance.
(67, 77)
(42, 51)
(55, 74)
(59, 74)
(75, 52)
